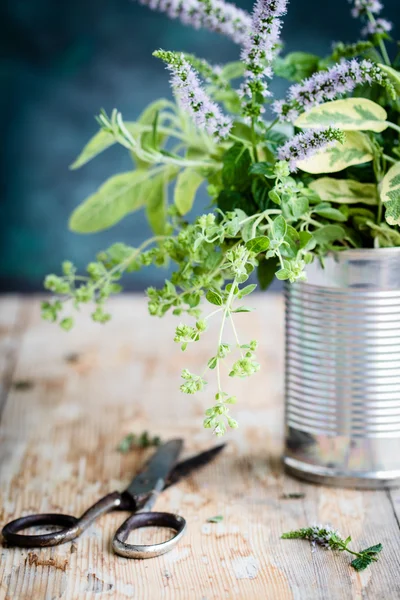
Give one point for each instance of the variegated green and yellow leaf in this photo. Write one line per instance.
(390, 194)
(355, 150)
(345, 191)
(350, 114)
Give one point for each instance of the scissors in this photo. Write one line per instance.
(159, 473)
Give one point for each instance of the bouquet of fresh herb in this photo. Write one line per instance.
(289, 180)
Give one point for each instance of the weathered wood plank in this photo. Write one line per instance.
(58, 453)
(13, 319)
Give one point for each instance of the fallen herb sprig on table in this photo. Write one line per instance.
(331, 539)
(216, 519)
(139, 441)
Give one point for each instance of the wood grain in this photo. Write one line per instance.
(70, 398)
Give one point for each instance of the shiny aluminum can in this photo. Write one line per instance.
(342, 408)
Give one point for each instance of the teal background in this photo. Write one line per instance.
(62, 62)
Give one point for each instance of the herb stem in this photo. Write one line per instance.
(393, 126)
(389, 159)
(235, 334)
(271, 125)
(253, 135)
(380, 40)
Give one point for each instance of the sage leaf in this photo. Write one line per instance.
(99, 142)
(156, 200)
(390, 194)
(345, 191)
(118, 196)
(151, 140)
(328, 212)
(187, 184)
(355, 150)
(350, 114)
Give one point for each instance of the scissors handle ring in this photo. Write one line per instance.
(68, 525)
(148, 519)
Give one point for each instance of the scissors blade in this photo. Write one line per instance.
(184, 468)
(156, 470)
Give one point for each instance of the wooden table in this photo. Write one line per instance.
(66, 402)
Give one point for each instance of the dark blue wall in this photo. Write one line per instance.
(61, 62)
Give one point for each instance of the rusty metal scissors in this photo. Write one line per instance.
(159, 472)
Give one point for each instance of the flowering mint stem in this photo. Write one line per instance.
(206, 114)
(216, 15)
(381, 42)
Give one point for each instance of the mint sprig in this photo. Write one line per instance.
(331, 539)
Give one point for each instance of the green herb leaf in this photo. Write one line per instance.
(187, 184)
(279, 228)
(329, 233)
(350, 114)
(118, 196)
(346, 191)
(156, 201)
(296, 66)
(97, 144)
(258, 244)
(236, 164)
(246, 290)
(266, 272)
(356, 149)
(214, 298)
(328, 212)
(361, 562)
(390, 194)
(263, 168)
(216, 519)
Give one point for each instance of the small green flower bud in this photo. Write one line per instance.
(67, 323)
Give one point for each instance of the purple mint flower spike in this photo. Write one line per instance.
(328, 85)
(362, 7)
(191, 96)
(304, 145)
(215, 15)
(379, 26)
(259, 49)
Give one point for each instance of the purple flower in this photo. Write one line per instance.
(215, 15)
(328, 85)
(379, 26)
(304, 145)
(192, 98)
(363, 7)
(258, 52)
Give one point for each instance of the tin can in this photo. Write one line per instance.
(342, 383)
